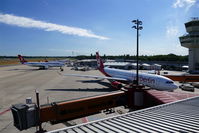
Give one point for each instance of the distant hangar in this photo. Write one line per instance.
(129, 66)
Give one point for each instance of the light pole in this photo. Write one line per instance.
(137, 27)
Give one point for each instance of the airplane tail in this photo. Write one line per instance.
(22, 60)
(100, 64)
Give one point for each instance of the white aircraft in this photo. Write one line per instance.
(41, 65)
(118, 77)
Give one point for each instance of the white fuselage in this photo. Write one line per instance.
(154, 81)
(44, 64)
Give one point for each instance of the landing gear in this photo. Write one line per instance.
(61, 69)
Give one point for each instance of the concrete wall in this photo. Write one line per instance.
(193, 59)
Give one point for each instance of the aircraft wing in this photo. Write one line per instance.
(151, 72)
(96, 77)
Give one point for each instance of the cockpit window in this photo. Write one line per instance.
(169, 82)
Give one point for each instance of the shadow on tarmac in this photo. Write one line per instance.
(23, 70)
(85, 90)
(106, 84)
(31, 69)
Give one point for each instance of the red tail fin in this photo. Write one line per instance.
(22, 60)
(100, 64)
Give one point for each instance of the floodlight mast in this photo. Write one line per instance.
(137, 27)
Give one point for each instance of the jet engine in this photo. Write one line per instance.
(116, 84)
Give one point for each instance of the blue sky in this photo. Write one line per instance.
(76, 27)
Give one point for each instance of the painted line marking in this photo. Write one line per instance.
(5, 111)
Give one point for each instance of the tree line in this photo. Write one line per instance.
(169, 57)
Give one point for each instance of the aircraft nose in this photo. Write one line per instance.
(174, 86)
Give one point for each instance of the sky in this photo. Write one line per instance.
(82, 27)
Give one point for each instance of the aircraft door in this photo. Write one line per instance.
(157, 83)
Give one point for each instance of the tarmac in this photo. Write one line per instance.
(20, 81)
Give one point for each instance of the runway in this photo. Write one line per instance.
(19, 82)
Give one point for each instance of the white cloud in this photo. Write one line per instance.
(172, 31)
(31, 23)
(184, 3)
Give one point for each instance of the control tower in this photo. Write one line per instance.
(191, 41)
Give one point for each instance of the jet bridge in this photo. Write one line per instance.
(179, 117)
(32, 115)
(29, 115)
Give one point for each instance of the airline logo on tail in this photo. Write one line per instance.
(100, 65)
(99, 61)
(22, 60)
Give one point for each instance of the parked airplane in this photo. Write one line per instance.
(41, 65)
(117, 77)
